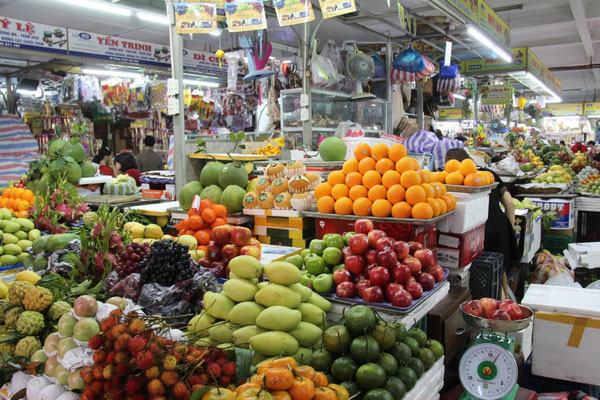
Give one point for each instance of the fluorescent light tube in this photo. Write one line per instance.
(476, 34)
(107, 72)
(459, 96)
(151, 17)
(543, 86)
(100, 6)
(193, 82)
(216, 32)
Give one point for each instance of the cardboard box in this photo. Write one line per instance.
(566, 332)
(457, 250)
(168, 193)
(565, 209)
(524, 229)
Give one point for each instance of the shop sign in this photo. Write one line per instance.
(245, 15)
(496, 94)
(292, 13)
(493, 25)
(201, 61)
(450, 114)
(519, 57)
(195, 17)
(467, 7)
(21, 34)
(563, 109)
(537, 68)
(591, 108)
(335, 8)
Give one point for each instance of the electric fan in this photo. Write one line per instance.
(361, 68)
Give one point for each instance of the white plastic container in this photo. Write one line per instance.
(471, 211)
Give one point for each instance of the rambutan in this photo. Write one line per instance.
(136, 326)
(106, 387)
(97, 371)
(169, 378)
(136, 345)
(121, 369)
(156, 388)
(222, 361)
(89, 393)
(133, 385)
(181, 391)
(116, 313)
(116, 381)
(204, 379)
(229, 369)
(197, 387)
(116, 331)
(152, 373)
(224, 381)
(121, 357)
(180, 348)
(110, 357)
(99, 356)
(145, 360)
(117, 393)
(95, 342)
(213, 370)
(87, 374)
(108, 344)
(97, 387)
(108, 371)
(107, 323)
(154, 348)
(194, 380)
(138, 396)
(122, 341)
(169, 363)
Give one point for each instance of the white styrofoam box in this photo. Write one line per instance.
(585, 255)
(525, 339)
(471, 211)
(536, 241)
(430, 383)
(566, 332)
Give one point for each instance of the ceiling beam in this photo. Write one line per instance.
(581, 24)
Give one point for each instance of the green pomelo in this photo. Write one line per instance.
(233, 198)
(212, 193)
(73, 172)
(332, 149)
(210, 173)
(187, 193)
(233, 174)
(87, 169)
(77, 151)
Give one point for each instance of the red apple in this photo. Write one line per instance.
(204, 262)
(240, 236)
(505, 304)
(401, 249)
(250, 251)
(345, 290)
(415, 289)
(355, 264)
(362, 285)
(437, 272)
(213, 251)
(488, 305)
(373, 294)
(500, 314)
(426, 280)
(371, 256)
(387, 258)
(515, 312)
(254, 242)
(414, 246)
(229, 251)
(341, 275)
(379, 276)
(368, 269)
(363, 226)
(385, 243)
(402, 298)
(472, 307)
(374, 236)
(426, 257)
(358, 243)
(391, 289)
(346, 252)
(410, 279)
(222, 234)
(412, 263)
(400, 273)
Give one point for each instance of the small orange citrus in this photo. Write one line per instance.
(390, 178)
(452, 165)
(343, 206)
(415, 194)
(429, 190)
(443, 206)
(322, 189)
(410, 178)
(439, 176)
(336, 177)
(454, 178)
(362, 206)
(381, 208)
(379, 151)
(357, 191)
(434, 206)
(325, 204)
(473, 179)
(426, 175)
(384, 165)
(366, 164)
(397, 151)
(404, 164)
(370, 179)
(377, 192)
(467, 166)
(422, 210)
(350, 165)
(362, 150)
(395, 194)
(338, 191)
(402, 210)
(353, 179)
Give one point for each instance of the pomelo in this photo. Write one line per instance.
(55, 146)
(73, 172)
(87, 169)
(251, 187)
(77, 151)
(187, 193)
(210, 173)
(233, 174)
(233, 198)
(332, 149)
(212, 193)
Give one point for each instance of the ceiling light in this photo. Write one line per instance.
(216, 32)
(151, 17)
(533, 83)
(483, 39)
(100, 6)
(111, 73)
(193, 82)
(554, 100)
(459, 96)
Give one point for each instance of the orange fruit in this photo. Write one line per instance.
(371, 178)
(396, 194)
(437, 189)
(485, 180)
(353, 179)
(415, 164)
(434, 206)
(453, 200)
(343, 206)
(403, 165)
(322, 189)
(448, 201)
(208, 215)
(439, 176)
(362, 150)
(473, 179)
(220, 210)
(390, 178)
(338, 191)
(350, 165)
(429, 190)
(381, 208)
(467, 166)
(402, 210)
(336, 177)
(442, 188)
(396, 152)
(362, 206)
(452, 165)
(490, 176)
(357, 192)
(410, 178)
(415, 194)
(422, 210)
(325, 204)
(426, 175)
(384, 165)
(455, 178)
(443, 206)
(366, 164)
(377, 192)
(23, 214)
(27, 195)
(379, 151)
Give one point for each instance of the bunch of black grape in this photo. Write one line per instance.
(167, 263)
(131, 257)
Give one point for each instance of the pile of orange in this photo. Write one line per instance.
(202, 221)
(383, 181)
(465, 173)
(17, 200)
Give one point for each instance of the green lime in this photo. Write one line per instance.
(388, 363)
(436, 347)
(407, 376)
(427, 357)
(360, 319)
(343, 369)
(396, 388)
(378, 394)
(401, 353)
(337, 339)
(321, 360)
(351, 387)
(417, 366)
(400, 330)
(369, 376)
(412, 343)
(419, 335)
(364, 349)
(384, 334)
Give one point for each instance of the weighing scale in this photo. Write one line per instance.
(488, 369)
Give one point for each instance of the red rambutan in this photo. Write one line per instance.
(136, 345)
(229, 369)
(107, 323)
(152, 373)
(121, 369)
(194, 380)
(121, 357)
(224, 381)
(95, 342)
(108, 344)
(169, 378)
(137, 326)
(99, 356)
(222, 361)
(97, 371)
(87, 374)
(122, 341)
(97, 387)
(213, 370)
(116, 331)
(169, 363)
(108, 371)
(181, 391)
(89, 393)
(110, 357)
(145, 360)
(133, 385)
(156, 388)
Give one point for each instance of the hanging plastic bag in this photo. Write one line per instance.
(509, 164)
(332, 53)
(322, 70)
(409, 60)
(379, 67)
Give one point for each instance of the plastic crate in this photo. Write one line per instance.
(585, 276)
(556, 244)
(486, 276)
(542, 384)
(588, 226)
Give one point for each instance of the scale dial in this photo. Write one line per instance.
(488, 371)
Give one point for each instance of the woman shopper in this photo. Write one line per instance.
(125, 164)
(105, 162)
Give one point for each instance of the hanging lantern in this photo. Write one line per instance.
(521, 102)
(220, 54)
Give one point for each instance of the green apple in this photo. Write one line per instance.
(332, 255)
(317, 246)
(347, 237)
(334, 240)
(323, 283)
(307, 279)
(339, 266)
(296, 259)
(314, 265)
(305, 252)
(327, 270)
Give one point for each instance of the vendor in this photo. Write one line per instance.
(125, 164)
(499, 232)
(148, 159)
(104, 161)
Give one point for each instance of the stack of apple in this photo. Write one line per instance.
(228, 241)
(379, 268)
(507, 310)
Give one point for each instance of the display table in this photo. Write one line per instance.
(158, 211)
(121, 202)
(177, 214)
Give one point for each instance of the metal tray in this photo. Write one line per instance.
(497, 325)
(470, 189)
(408, 221)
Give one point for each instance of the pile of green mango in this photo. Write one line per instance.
(16, 236)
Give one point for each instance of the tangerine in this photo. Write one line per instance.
(491, 177)
(381, 208)
(377, 192)
(415, 194)
(435, 206)
(220, 210)
(340, 190)
(379, 151)
(397, 151)
(384, 165)
(448, 201)
(451, 196)
(396, 194)
(366, 164)
(208, 215)
(218, 222)
(403, 165)
(429, 190)
(442, 188)
(202, 236)
(426, 175)
(326, 204)
(206, 203)
(452, 166)
(410, 178)
(443, 206)
(455, 178)
(485, 180)
(467, 166)
(362, 206)
(437, 189)
(357, 192)
(402, 210)
(390, 178)
(350, 165)
(353, 179)
(415, 164)
(343, 206)
(27, 195)
(322, 189)
(439, 176)
(473, 179)
(362, 150)
(336, 177)
(371, 178)
(422, 210)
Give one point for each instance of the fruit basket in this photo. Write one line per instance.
(470, 189)
(496, 325)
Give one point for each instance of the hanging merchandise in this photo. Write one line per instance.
(449, 78)
(233, 67)
(322, 71)
(335, 8)
(521, 102)
(292, 79)
(361, 68)
(340, 82)
(258, 52)
(410, 66)
(195, 17)
(292, 12)
(137, 98)
(379, 67)
(245, 15)
(115, 95)
(158, 95)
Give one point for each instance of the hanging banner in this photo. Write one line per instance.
(450, 114)
(563, 110)
(493, 25)
(537, 68)
(496, 94)
(292, 12)
(467, 7)
(518, 63)
(31, 35)
(201, 61)
(245, 15)
(195, 17)
(335, 8)
(591, 108)
(220, 4)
